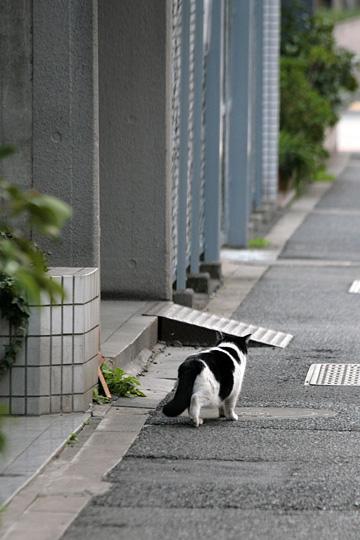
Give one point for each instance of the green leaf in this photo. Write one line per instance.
(120, 383)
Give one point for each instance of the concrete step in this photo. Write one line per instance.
(129, 346)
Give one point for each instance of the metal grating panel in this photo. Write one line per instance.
(333, 375)
(355, 287)
(202, 319)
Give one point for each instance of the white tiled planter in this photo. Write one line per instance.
(57, 369)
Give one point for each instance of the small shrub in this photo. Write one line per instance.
(120, 383)
(298, 159)
(315, 77)
(302, 110)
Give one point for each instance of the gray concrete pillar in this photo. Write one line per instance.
(135, 157)
(65, 121)
(16, 89)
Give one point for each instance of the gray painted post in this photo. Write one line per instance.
(213, 133)
(65, 122)
(196, 172)
(135, 148)
(184, 147)
(239, 124)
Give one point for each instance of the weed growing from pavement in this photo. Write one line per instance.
(258, 243)
(72, 439)
(323, 176)
(120, 383)
(99, 399)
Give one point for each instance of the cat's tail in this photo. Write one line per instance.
(188, 371)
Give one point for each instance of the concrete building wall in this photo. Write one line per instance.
(135, 159)
(16, 89)
(65, 122)
(95, 88)
(49, 111)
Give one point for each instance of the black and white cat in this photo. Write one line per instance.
(211, 378)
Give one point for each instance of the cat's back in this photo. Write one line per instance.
(219, 370)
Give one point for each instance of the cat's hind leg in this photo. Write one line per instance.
(230, 407)
(194, 410)
(221, 411)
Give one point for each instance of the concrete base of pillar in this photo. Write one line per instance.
(200, 282)
(214, 269)
(184, 297)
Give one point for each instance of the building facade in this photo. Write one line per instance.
(156, 120)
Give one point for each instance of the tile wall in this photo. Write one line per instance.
(57, 369)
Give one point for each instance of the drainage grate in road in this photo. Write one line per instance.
(355, 287)
(186, 325)
(333, 375)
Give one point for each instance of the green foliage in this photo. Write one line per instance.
(20, 259)
(302, 109)
(121, 384)
(298, 158)
(72, 439)
(258, 243)
(15, 309)
(98, 398)
(315, 75)
(23, 266)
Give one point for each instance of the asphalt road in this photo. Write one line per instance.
(285, 476)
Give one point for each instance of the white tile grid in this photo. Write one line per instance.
(86, 286)
(81, 285)
(41, 388)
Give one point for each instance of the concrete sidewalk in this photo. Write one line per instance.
(287, 468)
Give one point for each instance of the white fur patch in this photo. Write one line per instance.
(240, 355)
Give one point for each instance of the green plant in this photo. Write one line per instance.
(20, 259)
(14, 308)
(258, 243)
(98, 398)
(321, 175)
(302, 109)
(72, 439)
(315, 76)
(23, 266)
(298, 159)
(120, 383)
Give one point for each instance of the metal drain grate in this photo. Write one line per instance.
(333, 375)
(355, 287)
(179, 315)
